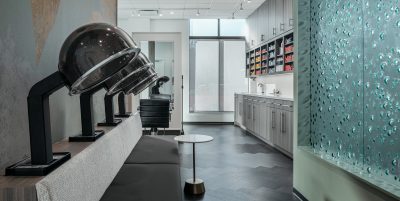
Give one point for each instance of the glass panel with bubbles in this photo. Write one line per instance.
(381, 88)
(355, 82)
(337, 79)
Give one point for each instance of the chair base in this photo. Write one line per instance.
(87, 138)
(126, 115)
(26, 168)
(109, 124)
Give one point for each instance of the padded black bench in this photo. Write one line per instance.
(150, 173)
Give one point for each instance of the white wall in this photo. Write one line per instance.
(283, 82)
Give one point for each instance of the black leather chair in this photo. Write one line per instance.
(155, 113)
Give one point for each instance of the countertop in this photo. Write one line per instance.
(279, 97)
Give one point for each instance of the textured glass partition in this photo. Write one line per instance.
(355, 85)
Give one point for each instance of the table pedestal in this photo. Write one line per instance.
(194, 188)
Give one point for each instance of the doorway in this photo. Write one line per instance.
(164, 50)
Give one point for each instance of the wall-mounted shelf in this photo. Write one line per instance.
(272, 57)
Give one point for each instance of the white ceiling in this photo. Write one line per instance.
(187, 9)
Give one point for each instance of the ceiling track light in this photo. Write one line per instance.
(241, 6)
(198, 12)
(172, 12)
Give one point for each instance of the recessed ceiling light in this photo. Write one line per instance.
(138, 14)
(160, 14)
(172, 12)
(248, 1)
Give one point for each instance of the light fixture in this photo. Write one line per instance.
(248, 1)
(198, 12)
(241, 6)
(138, 14)
(171, 12)
(83, 66)
(160, 14)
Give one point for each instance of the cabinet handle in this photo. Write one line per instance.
(283, 122)
(282, 27)
(250, 112)
(291, 22)
(273, 119)
(254, 117)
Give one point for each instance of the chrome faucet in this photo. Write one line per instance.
(276, 92)
(262, 87)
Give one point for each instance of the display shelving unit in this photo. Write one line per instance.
(272, 57)
(288, 51)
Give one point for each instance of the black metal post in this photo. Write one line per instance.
(43, 160)
(194, 163)
(109, 112)
(182, 131)
(121, 107)
(89, 134)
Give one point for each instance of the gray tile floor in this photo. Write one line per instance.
(237, 166)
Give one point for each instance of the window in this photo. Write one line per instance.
(232, 27)
(204, 27)
(216, 73)
(217, 27)
(216, 70)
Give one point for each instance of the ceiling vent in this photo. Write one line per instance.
(148, 13)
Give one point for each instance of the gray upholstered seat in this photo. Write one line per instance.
(145, 182)
(154, 149)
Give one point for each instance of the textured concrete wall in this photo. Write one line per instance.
(31, 34)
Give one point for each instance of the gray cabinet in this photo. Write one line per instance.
(267, 118)
(238, 113)
(256, 117)
(262, 23)
(276, 140)
(289, 21)
(248, 107)
(264, 123)
(253, 31)
(272, 29)
(271, 19)
(282, 118)
(279, 16)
